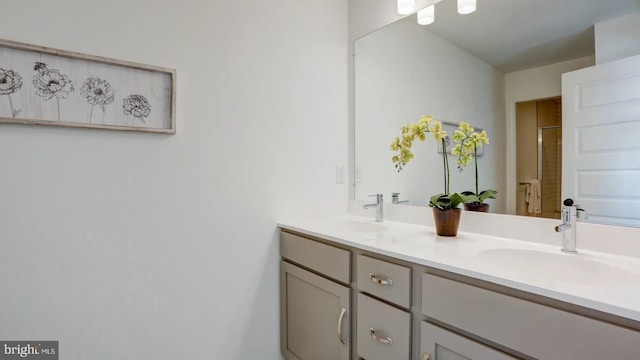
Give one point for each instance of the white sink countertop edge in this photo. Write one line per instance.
(589, 279)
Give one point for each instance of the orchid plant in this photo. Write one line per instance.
(402, 145)
(469, 141)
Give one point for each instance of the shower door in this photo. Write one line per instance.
(550, 169)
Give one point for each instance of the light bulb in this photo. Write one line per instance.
(406, 7)
(427, 15)
(466, 6)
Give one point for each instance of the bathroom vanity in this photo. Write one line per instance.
(352, 288)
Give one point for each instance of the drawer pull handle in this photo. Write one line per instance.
(379, 339)
(344, 311)
(387, 282)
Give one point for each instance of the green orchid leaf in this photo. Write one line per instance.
(456, 200)
(446, 202)
(470, 198)
(434, 200)
(487, 194)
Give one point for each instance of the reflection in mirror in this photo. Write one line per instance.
(405, 70)
(601, 123)
(539, 157)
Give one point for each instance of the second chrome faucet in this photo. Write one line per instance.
(395, 199)
(570, 213)
(379, 205)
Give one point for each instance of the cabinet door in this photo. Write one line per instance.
(440, 344)
(314, 316)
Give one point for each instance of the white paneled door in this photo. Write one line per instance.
(601, 141)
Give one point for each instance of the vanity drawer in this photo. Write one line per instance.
(384, 279)
(384, 332)
(439, 344)
(527, 327)
(325, 259)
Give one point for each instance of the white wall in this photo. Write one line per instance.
(617, 38)
(403, 72)
(531, 84)
(366, 16)
(146, 246)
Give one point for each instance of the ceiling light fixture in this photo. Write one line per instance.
(406, 7)
(427, 15)
(466, 6)
(426, 9)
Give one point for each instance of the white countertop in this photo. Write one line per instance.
(604, 282)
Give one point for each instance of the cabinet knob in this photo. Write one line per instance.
(387, 282)
(426, 356)
(387, 340)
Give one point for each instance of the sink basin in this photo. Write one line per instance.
(569, 268)
(362, 226)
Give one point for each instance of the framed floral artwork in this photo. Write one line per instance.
(450, 128)
(45, 86)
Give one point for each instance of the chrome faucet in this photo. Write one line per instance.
(570, 214)
(395, 199)
(378, 205)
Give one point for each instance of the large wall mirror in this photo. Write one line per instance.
(498, 69)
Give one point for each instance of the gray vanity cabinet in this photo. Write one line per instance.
(535, 330)
(315, 300)
(406, 311)
(440, 344)
(315, 312)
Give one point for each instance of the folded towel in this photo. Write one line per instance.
(532, 197)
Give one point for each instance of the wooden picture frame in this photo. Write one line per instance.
(45, 86)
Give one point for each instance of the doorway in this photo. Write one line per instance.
(539, 157)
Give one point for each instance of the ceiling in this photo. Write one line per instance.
(514, 35)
